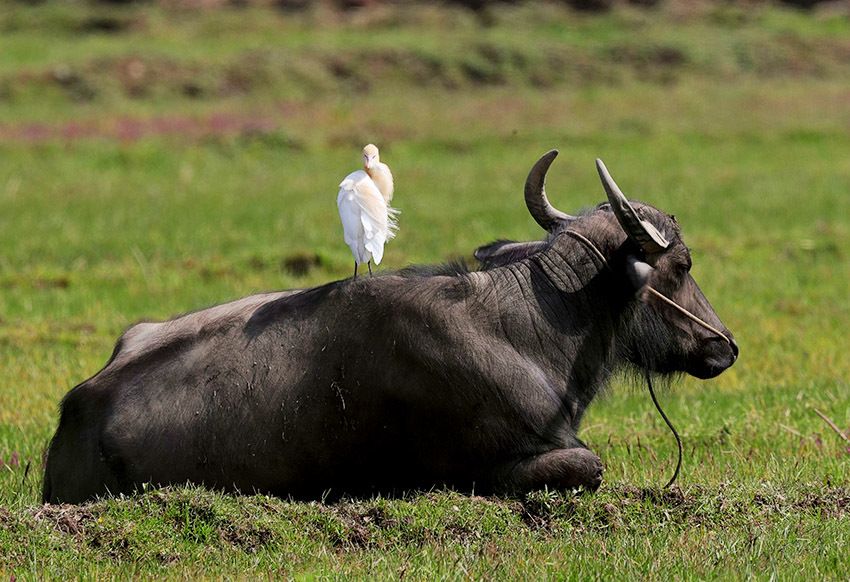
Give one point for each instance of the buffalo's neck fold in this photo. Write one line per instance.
(561, 316)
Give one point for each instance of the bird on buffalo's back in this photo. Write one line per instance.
(368, 221)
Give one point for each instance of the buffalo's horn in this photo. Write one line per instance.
(642, 231)
(538, 204)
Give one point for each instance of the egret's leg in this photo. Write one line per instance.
(355, 269)
(369, 264)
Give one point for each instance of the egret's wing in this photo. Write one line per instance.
(374, 217)
(349, 214)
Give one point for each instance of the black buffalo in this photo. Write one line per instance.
(476, 380)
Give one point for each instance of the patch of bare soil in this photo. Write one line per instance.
(832, 503)
(248, 538)
(68, 519)
(5, 517)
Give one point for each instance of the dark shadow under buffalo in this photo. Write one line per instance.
(410, 380)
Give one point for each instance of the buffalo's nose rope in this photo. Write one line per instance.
(669, 424)
(688, 314)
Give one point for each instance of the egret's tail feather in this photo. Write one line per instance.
(376, 248)
(392, 221)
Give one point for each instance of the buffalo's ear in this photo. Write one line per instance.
(638, 272)
(503, 252)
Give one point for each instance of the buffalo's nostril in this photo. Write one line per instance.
(734, 345)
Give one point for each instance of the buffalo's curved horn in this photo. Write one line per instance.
(538, 204)
(641, 231)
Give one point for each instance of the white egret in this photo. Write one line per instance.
(368, 221)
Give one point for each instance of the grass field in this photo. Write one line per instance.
(157, 161)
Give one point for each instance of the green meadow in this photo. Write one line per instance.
(156, 160)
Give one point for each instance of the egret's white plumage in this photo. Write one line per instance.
(368, 221)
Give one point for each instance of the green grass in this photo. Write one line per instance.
(693, 533)
(736, 122)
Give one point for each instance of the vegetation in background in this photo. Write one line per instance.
(155, 160)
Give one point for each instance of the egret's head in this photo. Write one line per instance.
(370, 156)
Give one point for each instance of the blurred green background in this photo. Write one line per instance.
(159, 157)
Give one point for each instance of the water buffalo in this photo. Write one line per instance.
(472, 379)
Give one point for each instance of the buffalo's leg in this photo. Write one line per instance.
(557, 469)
